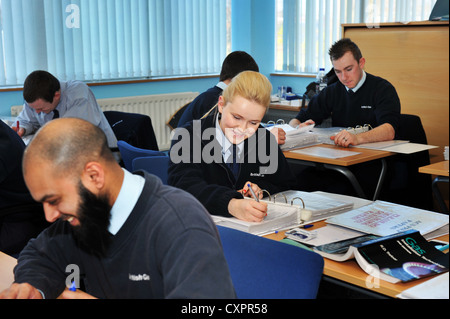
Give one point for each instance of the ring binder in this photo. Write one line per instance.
(264, 190)
(284, 215)
(293, 199)
(359, 129)
(285, 198)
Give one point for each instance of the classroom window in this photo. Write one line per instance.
(305, 29)
(103, 40)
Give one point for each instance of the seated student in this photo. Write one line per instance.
(202, 150)
(21, 218)
(358, 98)
(129, 235)
(47, 98)
(235, 63)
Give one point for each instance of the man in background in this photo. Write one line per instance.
(358, 98)
(234, 63)
(47, 98)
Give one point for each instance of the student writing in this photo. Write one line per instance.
(201, 151)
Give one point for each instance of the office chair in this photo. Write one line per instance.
(262, 268)
(130, 152)
(404, 184)
(133, 128)
(156, 165)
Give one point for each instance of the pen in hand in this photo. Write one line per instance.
(73, 287)
(253, 193)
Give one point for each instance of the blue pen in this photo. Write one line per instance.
(306, 226)
(73, 287)
(253, 193)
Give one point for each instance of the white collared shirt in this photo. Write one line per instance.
(225, 143)
(360, 83)
(222, 85)
(130, 191)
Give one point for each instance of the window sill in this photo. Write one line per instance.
(125, 81)
(292, 74)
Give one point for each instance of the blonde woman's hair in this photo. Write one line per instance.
(250, 85)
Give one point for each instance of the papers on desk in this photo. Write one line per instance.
(8, 120)
(397, 146)
(435, 288)
(325, 152)
(310, 135)
(383, 218)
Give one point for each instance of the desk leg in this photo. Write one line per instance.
(350, 176)
(437, 193)
(380, 179)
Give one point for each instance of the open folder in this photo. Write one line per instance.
(288, 209)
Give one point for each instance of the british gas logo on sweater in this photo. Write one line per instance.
(140, 277)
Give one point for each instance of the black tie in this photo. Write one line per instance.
(55, 114)
(351, 92)
(232, 162)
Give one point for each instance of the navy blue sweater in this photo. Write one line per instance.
(13, 191)
(201, 104)
(168, 248)
(376, 102)
(213, 183)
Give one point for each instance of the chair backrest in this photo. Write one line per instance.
(156, 165)
(410, 128)
(133, 128)
(130, 152)
(404, 184)
(262, 268)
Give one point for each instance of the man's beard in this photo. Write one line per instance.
(94, 214)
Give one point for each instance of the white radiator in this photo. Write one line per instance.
(160, 108)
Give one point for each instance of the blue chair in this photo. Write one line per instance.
(130, 152)
(262, 268)
(156, 165)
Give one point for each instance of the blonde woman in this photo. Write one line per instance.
(220, 157)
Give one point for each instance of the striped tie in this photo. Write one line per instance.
(232, 162)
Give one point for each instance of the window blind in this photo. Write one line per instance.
(306, 29)
(111, 39)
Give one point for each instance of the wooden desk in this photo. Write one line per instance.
(341, 164)
(441, 170)
(349, 272)
(7, 264)
(280, 111)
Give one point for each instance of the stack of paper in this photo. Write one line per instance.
(383, 218)
(298, 137)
